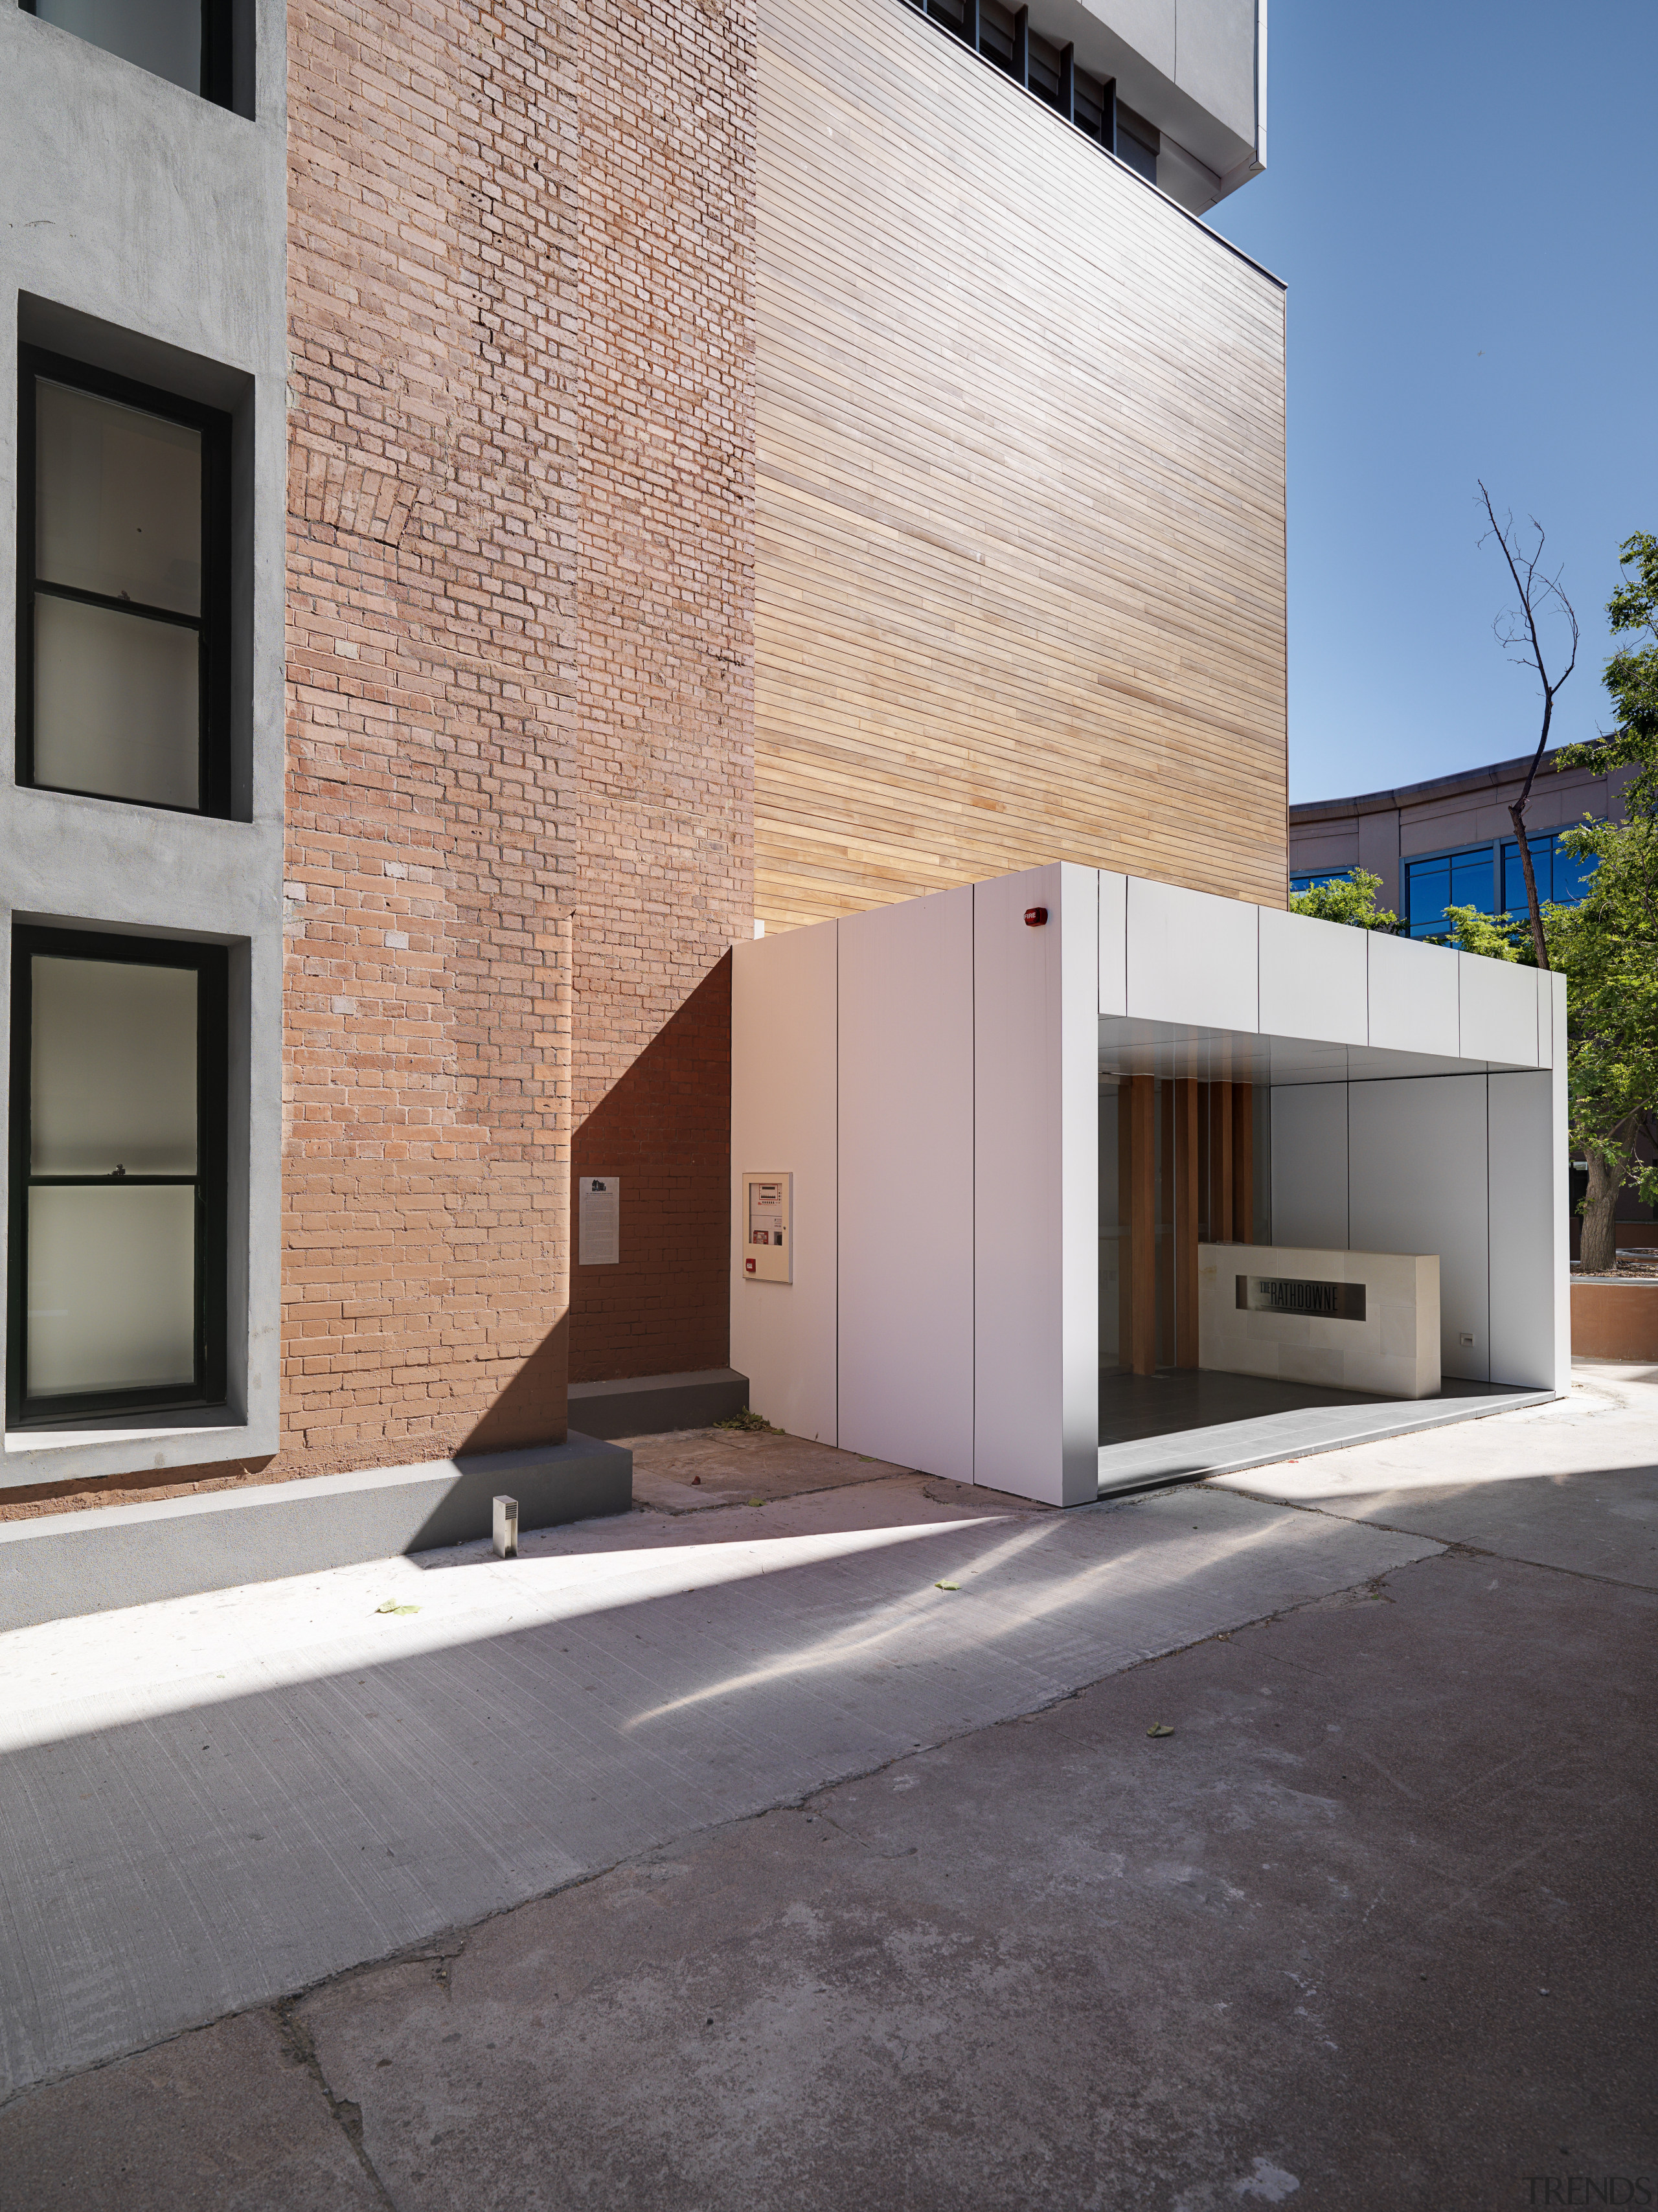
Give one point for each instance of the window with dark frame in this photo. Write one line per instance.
(124, 589)
(1003, 37)
(1471, 878)
(1139, 142)
(118, 1230)
(188, 42)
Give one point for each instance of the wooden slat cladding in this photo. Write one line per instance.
(1020, 576)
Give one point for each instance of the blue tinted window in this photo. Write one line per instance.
(1558, 876)
(1462, 879)
(1513, 876)
(1470, 880)
(1311, 883)
(1571, 877)
(1428, 895)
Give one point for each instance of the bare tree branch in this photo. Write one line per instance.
(1518, 631)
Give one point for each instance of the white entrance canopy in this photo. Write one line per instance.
(929, 1074)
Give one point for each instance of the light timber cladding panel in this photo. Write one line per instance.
(1020, 586)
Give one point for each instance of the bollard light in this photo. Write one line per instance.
(506, 1527)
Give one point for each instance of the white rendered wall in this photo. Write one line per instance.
(1525, 1222)
(1113, 943)
(1036, 1185)
(1560, 1274)
(905, 1183)
(1193, 957)
(1309, 1166)
(783, 1120)
(1473, 1167)
(1417, 1184)
(1313, 979)
(1413, 996)
(1497, 1010)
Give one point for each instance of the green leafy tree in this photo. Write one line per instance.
(1492, 936)
(1608, 947)
(1632, 678)
(1351, 900)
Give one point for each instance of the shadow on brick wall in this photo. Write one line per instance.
(664, 1130)
(533, 1407)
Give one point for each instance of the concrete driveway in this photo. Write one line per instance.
(721, 1857)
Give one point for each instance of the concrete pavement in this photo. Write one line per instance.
(1298, 1948)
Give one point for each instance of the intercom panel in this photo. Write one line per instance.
(766, 1231)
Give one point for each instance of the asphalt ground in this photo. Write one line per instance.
(1373, 1925)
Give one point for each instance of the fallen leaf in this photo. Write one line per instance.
(1160, 1728)
(947, 1585)
(755, 1501)
(391, 1606)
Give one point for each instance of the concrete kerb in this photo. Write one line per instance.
(1178, 1458)
(62, 1565)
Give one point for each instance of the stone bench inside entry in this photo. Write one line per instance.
(1350, 1321)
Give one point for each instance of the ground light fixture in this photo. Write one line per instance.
(506, 1527)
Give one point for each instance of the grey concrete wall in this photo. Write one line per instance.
(145, 230)
(1470, 1167)
(651, 1405)
(66, 1565)
(1195, 68)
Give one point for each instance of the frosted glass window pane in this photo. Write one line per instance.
(111, 1287)
(119, 501)
(163, 36)
(116, 704)
(114, 1072)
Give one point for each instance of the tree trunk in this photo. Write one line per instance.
(1533, 908)
(1600, 1243)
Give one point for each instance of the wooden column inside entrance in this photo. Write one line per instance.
(1186, 1222)
(1142, 1270)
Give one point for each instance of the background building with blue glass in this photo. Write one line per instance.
(1450, 842)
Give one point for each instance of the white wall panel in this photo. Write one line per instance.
(1036, 1182)
(783, 1119)
(1527, 1218)
(1413, 996)
(1309, 1166)
(1544, 1016)
(1113, 943)
(1417, 1184)
(1079, 1168)
(1559, 1213)
(1315, 979)
(1193, 957)
(1499, 1010)
(906, 1183)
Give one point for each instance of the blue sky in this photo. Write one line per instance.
(1460, 199)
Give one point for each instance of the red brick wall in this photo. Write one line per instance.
(521, 593)
(663, 797)
(521, 278)
(431, 669)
